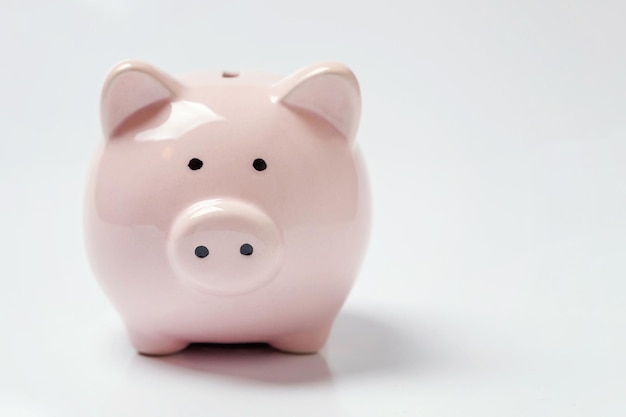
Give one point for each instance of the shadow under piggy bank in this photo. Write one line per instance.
(357, 345)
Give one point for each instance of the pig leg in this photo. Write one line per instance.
(305, 341)
(154, 344)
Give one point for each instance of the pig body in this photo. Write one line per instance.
(228, 208)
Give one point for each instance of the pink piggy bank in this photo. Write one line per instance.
(228, 207)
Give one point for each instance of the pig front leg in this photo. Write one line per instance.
(155, 344)
(303, 342)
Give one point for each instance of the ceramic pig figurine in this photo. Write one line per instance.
(228, 207)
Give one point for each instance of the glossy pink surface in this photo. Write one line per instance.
(228, 207)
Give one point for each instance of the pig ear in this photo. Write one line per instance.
(132, 86)
(329, 90)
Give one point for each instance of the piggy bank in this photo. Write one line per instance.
(228, 207)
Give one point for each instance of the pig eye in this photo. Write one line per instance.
(195, 164)
(259, 164)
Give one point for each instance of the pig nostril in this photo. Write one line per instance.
(246, 249)
(202, 252)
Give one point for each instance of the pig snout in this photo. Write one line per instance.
(225, 246)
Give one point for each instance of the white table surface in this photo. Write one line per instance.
(495, 283)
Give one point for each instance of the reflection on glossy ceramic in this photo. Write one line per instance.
(228, 207)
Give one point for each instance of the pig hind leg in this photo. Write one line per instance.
(155, 344)
(305, 341)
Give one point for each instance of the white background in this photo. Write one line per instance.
(495, 133)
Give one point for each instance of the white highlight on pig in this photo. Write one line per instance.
(184, 117)
(205, 207)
